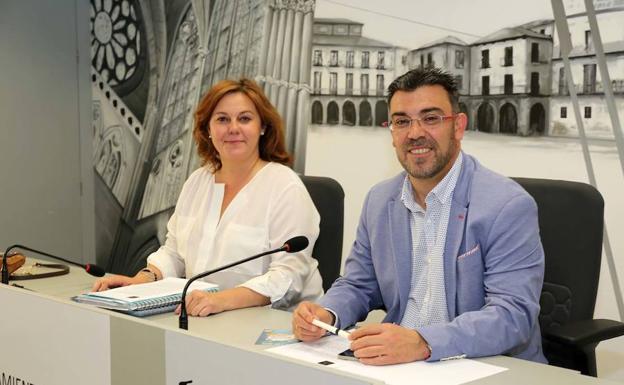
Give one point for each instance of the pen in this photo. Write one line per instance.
(331, 329)
(21, 287)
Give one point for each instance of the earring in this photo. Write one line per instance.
(262, 132)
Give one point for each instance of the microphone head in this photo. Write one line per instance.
(296, 244)
(94, 270)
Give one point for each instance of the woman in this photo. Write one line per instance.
(242, 201)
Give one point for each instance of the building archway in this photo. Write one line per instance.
(485, 118)
(317, 112)
(508, 122)
(366, 115)
(463, 108)
(348, 113)
(537, 119)
(332, 113)
(381, 112)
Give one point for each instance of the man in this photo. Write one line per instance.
(449, 249)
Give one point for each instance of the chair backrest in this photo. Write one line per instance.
(328, 197)
(571, 224)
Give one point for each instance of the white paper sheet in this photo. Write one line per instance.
(151, 290)
(452, 372)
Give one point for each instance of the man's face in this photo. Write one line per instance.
(426, 151)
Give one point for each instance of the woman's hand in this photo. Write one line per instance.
(200, 303)
(114, 280)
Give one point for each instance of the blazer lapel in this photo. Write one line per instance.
(456, 229)
(401, 250)
(454, 237)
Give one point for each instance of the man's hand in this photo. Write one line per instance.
(302, 319)
(385, 344)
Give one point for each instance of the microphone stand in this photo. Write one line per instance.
(183, 319)
(91, 269)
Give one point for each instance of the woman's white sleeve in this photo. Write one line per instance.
(291, 213)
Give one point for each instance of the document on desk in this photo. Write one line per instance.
(324, 352)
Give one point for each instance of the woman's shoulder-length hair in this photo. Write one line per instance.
(272, 147)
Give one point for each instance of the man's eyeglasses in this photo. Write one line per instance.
(400, 123)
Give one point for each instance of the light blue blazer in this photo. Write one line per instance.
(493, 267)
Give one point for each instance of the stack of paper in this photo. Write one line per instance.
(144, 299)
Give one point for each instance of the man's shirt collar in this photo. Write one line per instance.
(443, 191)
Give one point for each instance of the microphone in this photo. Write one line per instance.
(89, 268)
(292, 245)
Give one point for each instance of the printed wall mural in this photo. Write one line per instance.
(152, 61)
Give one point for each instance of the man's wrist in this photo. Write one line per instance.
(428, 351)
(426, 348)
(333, 321)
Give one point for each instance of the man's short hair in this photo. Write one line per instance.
(426, 76)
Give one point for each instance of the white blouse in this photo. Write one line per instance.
(271, 208)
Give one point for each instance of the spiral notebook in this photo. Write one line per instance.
(145, 299)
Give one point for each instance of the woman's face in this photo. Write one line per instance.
(235, 128)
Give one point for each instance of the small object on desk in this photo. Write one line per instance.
(39, 270)
(21, 287)
(276, 337)
(144, 299)
(347, 355)
(14, 261)
(331, 329)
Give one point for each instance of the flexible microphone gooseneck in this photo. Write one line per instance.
(91, 269)
(292, 245)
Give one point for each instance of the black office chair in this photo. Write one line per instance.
(328, 197)
(571, 217)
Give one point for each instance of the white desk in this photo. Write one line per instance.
(137, 345)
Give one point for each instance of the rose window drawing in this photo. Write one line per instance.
(116, 45)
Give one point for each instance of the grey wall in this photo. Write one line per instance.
(46, 189)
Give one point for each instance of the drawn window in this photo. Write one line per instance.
(349, 84)
(333, 83)
(317, 82)
(563, 90)
(508, 84)
(381, 57)
(485, 85)
(333, 58)
(349, 59)
(535, 83)
(364, 84)
(317, 58)
(365, 59)
(589, 78)
(459, 58)
(589, 45)
(485, 58)
(508, 57)
(535, 53)
(459, 82)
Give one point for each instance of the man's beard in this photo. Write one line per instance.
(417, 168)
